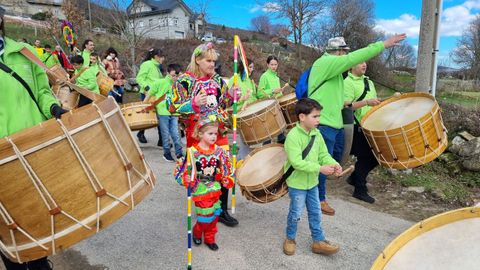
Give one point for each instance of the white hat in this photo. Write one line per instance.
(337, 43)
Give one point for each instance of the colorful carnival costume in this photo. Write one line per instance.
(212, 170)
(182, 101)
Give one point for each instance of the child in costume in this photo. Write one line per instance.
(212, 170)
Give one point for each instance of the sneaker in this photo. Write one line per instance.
(212, 246)
(180, 156)
(168, 157)
(324, 247)
(363, 196)
(141, 138)
(326, 209)
(226, 219)
(289, 247)
(159, 143)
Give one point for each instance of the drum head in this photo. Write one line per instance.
(256, 107)
(287, 97)
(260, 166)
(398, 113)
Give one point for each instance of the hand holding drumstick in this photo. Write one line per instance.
(280, 90)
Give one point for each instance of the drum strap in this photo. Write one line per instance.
(8, 70)
(366, 89)
(304, 155)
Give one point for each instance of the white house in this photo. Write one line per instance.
(164, 19)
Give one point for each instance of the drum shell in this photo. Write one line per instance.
(68, 97)
(259, 193)
(410, 145)
(51, 156)
(263, 125)
(59, 74)
(138, 120)
(105, 83)
(288, 109)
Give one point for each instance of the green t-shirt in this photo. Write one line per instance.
(269, 81)
(245, 85)
(49, 59)
(86, 58)
(158, 89)
(88, 79)
(354, 87)
(329, 68)
(149, 72)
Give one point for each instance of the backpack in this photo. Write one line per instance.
(301, 89)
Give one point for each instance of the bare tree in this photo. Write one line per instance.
(202, 10)
(402, 56)
(351, 19)
(280, 30)
(128, 24)
(300, 14)
(467, 53)
(74, 14)
(261, 24)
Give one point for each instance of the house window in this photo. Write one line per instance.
(175, 22)
(141, 23)
(179, 35)
(191, 26)
(150, 22)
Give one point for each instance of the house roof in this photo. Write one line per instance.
(161, 7)
(46, 2)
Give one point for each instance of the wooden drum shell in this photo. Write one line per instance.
(68, 97)
(138, 119)
(287, 103)
(105, 83)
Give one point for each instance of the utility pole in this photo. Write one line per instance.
(89, 16)
(429, 46)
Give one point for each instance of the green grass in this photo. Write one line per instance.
(466, 99)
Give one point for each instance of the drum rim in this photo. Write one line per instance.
(393, 99)
(286, 100)
(248, 116)
(421, 228)
(248, 157)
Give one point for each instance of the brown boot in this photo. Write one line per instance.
(289, 247)
(324, 247)
(326, 209)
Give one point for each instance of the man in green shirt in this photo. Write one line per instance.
(88, 48)
(87, 78)
(327, 72)
(48, 58)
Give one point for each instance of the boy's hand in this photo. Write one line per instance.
(338, 170)
(327, 169)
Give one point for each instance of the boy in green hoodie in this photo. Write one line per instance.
(48, 58)
(87, 79)
(302, 182)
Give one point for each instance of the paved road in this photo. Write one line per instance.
(153, 236)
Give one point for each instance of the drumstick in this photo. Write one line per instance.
(346, 171)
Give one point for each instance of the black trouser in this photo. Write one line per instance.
(366, 161)
(224, 199)
(39, 264)
(83, 101)
(142, 132)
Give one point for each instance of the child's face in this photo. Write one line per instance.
(310, 120)
(209, 135)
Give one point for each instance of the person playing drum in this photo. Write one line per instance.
(249, 92)
(269, 84)
(23, 107)
(87, 78)
(307, 154)
(325, 85)
(212, 170)
(201, 91)
(360, 94)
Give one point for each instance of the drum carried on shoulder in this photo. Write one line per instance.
(105, 83)
(56, 187)
(57, 73)
(68, 97)
(406, 131)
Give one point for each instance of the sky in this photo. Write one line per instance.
(391, 17)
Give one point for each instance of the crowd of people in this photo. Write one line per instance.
(200, 97)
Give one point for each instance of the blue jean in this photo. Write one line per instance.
(334, 139)
(298, 199)
(118, 89)
(169, 128)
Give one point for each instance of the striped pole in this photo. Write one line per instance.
(234, 147)
(190, 171)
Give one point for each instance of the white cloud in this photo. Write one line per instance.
(454, 20)
(271, 7)
(255, 8)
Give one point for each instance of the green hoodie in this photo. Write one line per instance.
(354, 87)
(149, 72)
(17, 109)
(88, 79)
(305, 175)
(49, 59)
(245, 85)
(329, 68)
(269, 81)
(158, 89)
